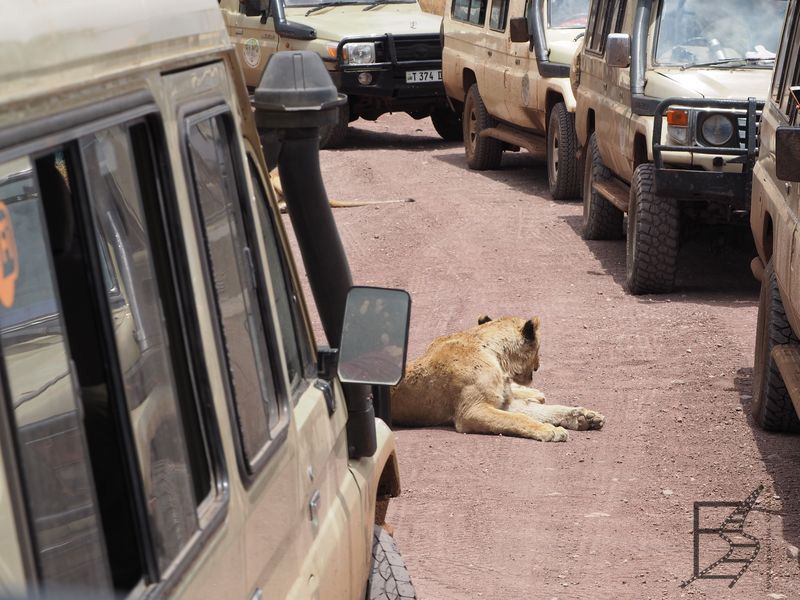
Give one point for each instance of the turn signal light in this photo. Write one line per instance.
(678, 118)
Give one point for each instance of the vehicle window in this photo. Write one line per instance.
(238, 294)
(567, 14)
(787, 69)
(606, 17)
(143, 349)
(296, 345)
(54, 466)
(470, 11)
(694, 32)
(498, 15)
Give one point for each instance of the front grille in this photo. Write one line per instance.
(409, 49)
(743, 131)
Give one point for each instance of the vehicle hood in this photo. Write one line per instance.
(336, 22)
(709, 83)
(562, 44)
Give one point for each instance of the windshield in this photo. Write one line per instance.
(694, 32)
(567, 14)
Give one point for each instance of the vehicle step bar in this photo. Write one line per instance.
(787, 359)
(614, 191)
(535, 144)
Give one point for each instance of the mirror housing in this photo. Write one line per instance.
(374, 336)
(519, 29)
(618, 50)
(787, 154)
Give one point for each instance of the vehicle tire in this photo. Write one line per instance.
(333, 136)
(772, 407)
(447, 124)
(483, 153)
(563, 174)
(389, 579)
(653, 236)
(601, 219)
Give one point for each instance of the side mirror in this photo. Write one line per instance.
(374, 336)
(618, 50)
(787, 154)
(519, 29)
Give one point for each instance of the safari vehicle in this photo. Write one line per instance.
(385, 55)
(668, 100)
(168, 426)
(506, 67)
(773, 220)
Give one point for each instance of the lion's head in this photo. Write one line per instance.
(516, 343)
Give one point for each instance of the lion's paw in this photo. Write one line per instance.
(552, 433)
(581, 419)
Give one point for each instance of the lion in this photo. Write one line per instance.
(478, 380)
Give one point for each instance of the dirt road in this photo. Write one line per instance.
(608, 514)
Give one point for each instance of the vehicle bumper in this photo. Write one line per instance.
(389, 84)
(710, 174)
(685, 184)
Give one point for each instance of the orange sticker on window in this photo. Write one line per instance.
(9, 260)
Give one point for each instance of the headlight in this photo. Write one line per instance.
(359, 53)
(717, 130)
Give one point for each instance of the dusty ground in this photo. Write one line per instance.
(607, 514)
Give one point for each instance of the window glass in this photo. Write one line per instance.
(54, 466)
(296, 346)
(471, 11)
(142, 344)
(692, 32)
(567, 14)
(498, 15)
(232, 266)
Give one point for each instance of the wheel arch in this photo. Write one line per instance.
(552, 97)
(640, 153)
(468, 77)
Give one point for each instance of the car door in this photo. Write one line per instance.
(497, 47)
(332, 501)
(255, 39)
(523, 75)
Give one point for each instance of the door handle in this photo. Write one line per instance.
(313, 510)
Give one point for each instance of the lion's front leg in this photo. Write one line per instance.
(485, 418)
(569, 417)
(521, 392)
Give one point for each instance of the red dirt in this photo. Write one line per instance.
(607, 514)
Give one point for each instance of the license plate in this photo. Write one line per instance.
(433, 75)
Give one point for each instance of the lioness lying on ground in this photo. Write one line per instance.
(477, 379)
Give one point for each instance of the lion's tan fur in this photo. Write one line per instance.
(476, 380)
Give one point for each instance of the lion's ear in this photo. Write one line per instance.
(530, 328)
(484, 319)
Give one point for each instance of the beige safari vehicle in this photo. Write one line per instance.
(506, 66)
(168, 425)
(773, 219)
(385, 55)
(668, 99)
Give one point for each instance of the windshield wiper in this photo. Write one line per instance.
(327, 4)
(727, 61)
(379, 2)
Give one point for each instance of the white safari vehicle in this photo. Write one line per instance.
(505, 64)
(669, 96)
(773, 218)
(168, 426)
